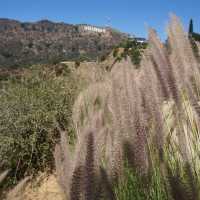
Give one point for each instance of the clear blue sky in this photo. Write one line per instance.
(126, 15)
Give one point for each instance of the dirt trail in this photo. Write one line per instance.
(45, 187)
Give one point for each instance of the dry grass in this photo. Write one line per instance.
(44, 187)
(140, 115)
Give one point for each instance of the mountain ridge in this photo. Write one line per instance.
(26, 43)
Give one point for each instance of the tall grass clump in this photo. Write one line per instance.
(30, 109)
(138, 137)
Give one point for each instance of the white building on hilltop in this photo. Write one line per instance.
(89, 28)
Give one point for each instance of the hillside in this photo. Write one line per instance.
(23, 43)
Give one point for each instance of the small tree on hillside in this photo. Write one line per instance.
(191, 27)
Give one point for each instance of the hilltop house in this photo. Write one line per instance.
(141, 40)
(137, 39)
(89, 28)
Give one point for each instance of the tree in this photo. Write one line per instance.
(191, 27)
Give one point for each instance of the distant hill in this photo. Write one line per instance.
(24, 43)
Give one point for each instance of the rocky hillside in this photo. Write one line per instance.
(46, 41)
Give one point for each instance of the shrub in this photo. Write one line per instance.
(103, 58)
(196, 36)
(29, 110)
(77, 63)
(133, 49)
(194, 47)
(55, 60)
(115, 52)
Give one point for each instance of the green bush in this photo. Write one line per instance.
(194, 47)
(115, 52)
(103, 58)
(135, 186)
(29, 109)
(133, 49)
(196, 36)
(77, 63)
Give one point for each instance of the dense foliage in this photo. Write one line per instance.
(30, 110)
(133, 49)
(196, 36)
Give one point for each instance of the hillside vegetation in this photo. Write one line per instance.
(24, 44)
(30, 108)
(121, 133)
